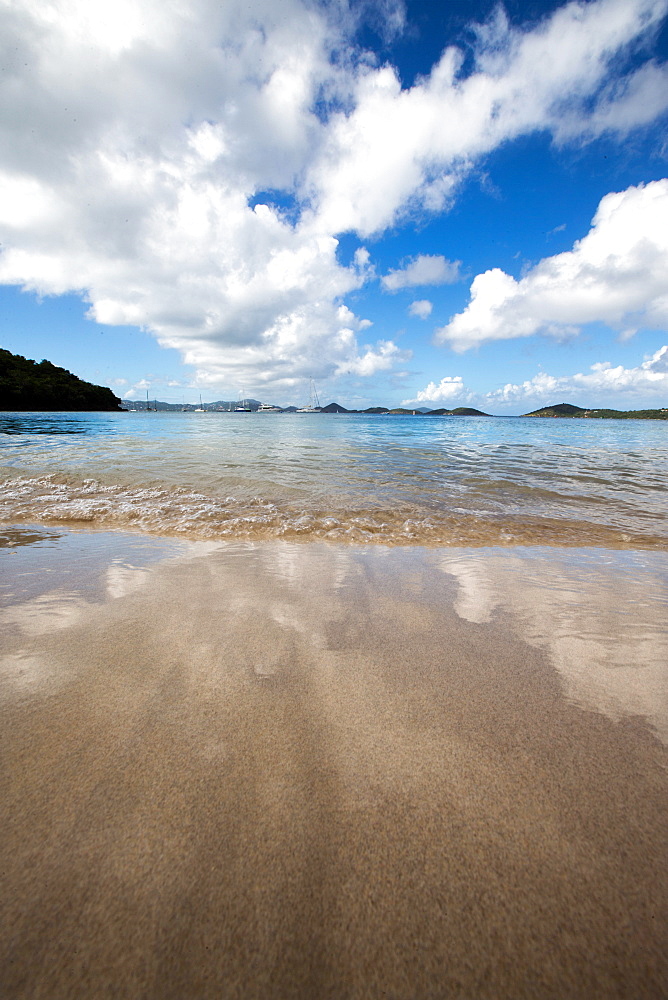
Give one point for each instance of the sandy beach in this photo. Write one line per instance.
(272, 770)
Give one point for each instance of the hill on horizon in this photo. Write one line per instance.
(557, 410)
(570, 410)
(31, 385)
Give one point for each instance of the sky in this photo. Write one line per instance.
(428, 203)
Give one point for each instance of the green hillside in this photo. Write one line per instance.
(557, 410)
(569, 410)
(29, 385)
(460, 411)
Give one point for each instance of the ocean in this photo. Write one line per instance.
(396, 480)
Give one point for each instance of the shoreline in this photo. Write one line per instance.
(169, 511)
(272, 769)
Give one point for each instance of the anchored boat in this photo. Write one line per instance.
(313, 403)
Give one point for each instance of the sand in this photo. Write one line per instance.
(307, 771)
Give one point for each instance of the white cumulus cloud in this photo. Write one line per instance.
(382, 357)
(409, 148)
(616, 274)
(421, 308)
(450, 387)
(188, 167)
(423, 270)
(604, 384)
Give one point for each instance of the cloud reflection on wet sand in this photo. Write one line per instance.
(271, 770)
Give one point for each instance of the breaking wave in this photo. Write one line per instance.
(179, 512)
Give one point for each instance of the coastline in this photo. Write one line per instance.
(166, 511)
(269, 769)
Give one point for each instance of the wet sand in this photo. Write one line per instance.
(306, 771)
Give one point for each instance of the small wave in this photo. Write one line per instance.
(179, 512)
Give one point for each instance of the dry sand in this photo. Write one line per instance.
(306, 771)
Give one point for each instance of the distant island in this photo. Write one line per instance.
(29, 385)
(557, 410)
(569, 410)
(227, 405)
(461, 411)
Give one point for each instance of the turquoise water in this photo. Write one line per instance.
(395, 479)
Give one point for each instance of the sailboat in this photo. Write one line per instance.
(243, 406)
(313, 401)
(200, 408)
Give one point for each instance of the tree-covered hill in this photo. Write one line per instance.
(569, 410)
(557, 410)
(459, 411)
(29, 385)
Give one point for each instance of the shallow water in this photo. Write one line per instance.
(392, 479)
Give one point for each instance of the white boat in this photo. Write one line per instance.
(268, 408)
(200, 408)
(313, 401)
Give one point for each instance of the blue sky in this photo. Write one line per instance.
(431, 203)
